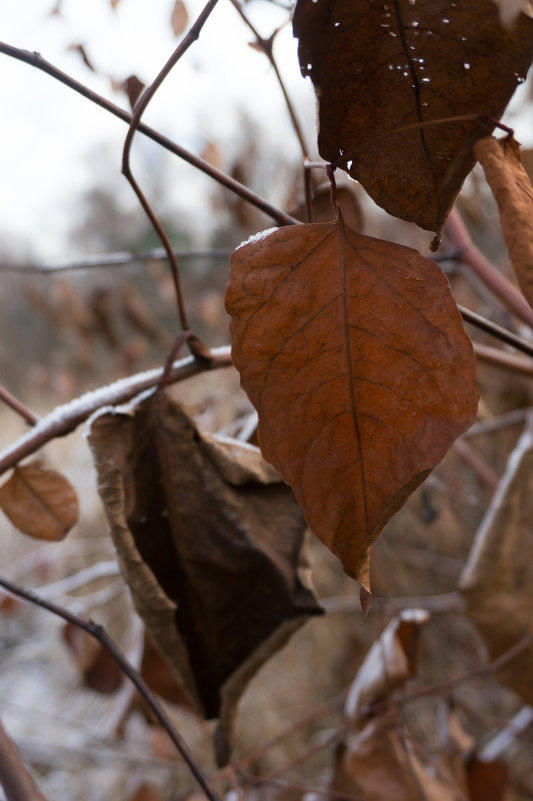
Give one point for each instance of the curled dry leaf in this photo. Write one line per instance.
(180, 17)
(376, 760)
(40, 502)
(353, 352)
(392, 660)
(497, 581)
(210, 542)
(513, 191)
(380, 67)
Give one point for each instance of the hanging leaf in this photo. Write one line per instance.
(210, 542)
(39, 502)
(513, 191)
(497, 581)
(354, 355)
(379, 67)
(180, 17)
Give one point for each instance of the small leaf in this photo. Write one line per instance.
(354, 355)
(378, 68)
(39, 502)
(79, 48)
(133, 87)
(513, 191)
(180, 17)
(497, 581)
(99, 670)
(210, 542)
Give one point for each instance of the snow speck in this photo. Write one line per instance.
(257, 237)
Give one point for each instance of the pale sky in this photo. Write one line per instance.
(49, 132)
(50, 135)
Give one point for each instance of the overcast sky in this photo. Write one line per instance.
(51, 136)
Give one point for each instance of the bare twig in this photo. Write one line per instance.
(18, 784)
(18, 407)
(514, 418)
(437, 604)
(500, 358)
(470, 255)
(35, 60)
(495, 330)
(190, 37)
(65, 419)
(478, 465)
(111, 260)
(99, 634)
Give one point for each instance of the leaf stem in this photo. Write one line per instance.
(17, 782)
(35, 60)
(98, 633)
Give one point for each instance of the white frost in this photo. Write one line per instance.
(257, 237)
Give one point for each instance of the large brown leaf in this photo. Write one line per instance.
(40, 502)
(353, 353)
(210, 542)
(378, 67)
(513, 191)
(497, 582)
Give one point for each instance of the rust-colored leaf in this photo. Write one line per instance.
(380, 67)
(99, 670)
(39, 502)
(134, 88)
(513, 191)
(497, 582)
(179, 18)
(210, 542)
(354, 355)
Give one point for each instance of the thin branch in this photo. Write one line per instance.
(98, 633)
(514, 418)
(470, 255)
(122, 259)
(190, 37)
(17, 782)
(18, 407)
(267, 47)
(66, 418)
(477, 464)
(35, 60)
(437, 604)
(500, 358)
(495, 330)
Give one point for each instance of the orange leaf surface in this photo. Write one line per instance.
(353, 352)
(39, 502)
(513, 191)
(381, 67)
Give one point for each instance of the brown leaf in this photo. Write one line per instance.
(210, 542)
(79, 48)
(39, 502)
(497, 581)
(147, 792)
(179, 18)
(354, 355)
(488, 781)
(380, 67)
(99, 670)
(159, 677)
(513, 191)
(379, 763)
(134, 88)
(323, 210)
(389, 663)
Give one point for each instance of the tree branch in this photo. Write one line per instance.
(17, 782)
(99, 634)
(35, 60)
(66, 418)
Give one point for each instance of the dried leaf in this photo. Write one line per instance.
(380, 67)
(180, 17)
(79, 48)
(488, 781)
(497, 581)
(513, 191)
(210, 541)
(389, 663)
(147, 792)
(133, 87)
(323, 210)
(99, 670)
(354, 355)
(39, 502)
(379, 763)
